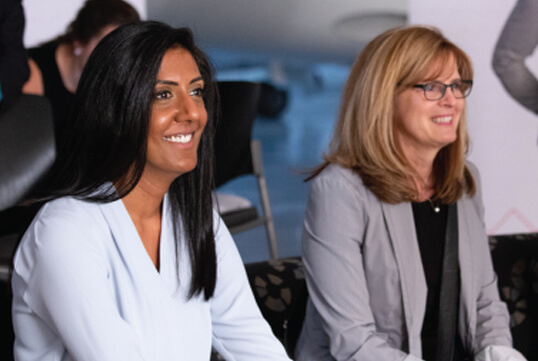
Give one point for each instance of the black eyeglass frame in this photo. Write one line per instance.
(451, 86)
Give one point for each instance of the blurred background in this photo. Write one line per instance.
(303, 50)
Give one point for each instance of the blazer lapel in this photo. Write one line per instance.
(401, 228)
(467, 298)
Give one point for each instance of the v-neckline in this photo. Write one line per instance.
(132, 248)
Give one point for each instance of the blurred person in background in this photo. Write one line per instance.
(56, 66)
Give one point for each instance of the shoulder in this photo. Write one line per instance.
(63, 231)
(473, 169)
(41, 60)
(335, 178)
(34, 84)
(475, 201)
(475, 175)
(63, 223)
(68, 209)
(338, 197)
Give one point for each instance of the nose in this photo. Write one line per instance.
(187, 109)
(449, 99)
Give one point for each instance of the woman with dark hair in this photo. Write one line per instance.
(56, 66)
(128, 261)
(396, 256)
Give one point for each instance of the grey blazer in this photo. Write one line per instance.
(366, 281)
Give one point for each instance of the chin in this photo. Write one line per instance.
(447, 143)
(185, 168)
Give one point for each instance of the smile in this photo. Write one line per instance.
(442, 120)
(180, 138)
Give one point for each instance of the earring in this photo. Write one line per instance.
(77, 51)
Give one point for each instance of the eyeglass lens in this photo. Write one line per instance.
(436, 90)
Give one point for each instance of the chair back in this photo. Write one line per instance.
(27, 151)
(28, 148)
(238, 109)
(515, 261)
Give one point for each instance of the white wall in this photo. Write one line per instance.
(46, 19)
(503, 133)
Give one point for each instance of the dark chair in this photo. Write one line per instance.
(515, 260)
(273, 101)
(26, 153)
(280, 292)
(237, 154)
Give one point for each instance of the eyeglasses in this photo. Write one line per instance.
(436, 90)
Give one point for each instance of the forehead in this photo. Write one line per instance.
(443, 67)
(178, 61)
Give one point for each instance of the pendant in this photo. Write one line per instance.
(436, 208)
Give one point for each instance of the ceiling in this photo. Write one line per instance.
(285, 30)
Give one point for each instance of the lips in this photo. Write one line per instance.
(179, 138)
(443, 120)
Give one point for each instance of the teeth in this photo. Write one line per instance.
(181, 138)
(442, 120)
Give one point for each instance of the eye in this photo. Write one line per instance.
(457, 85)
(429, 87)
(162, 94)
(198, 91)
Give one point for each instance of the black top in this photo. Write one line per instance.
(431, 232)
(60, 98)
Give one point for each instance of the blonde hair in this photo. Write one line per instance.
(364, 138)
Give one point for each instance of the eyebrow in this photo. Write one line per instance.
(197, 79)
(170, 82)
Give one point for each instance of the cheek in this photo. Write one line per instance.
(460, 108)
(203, 118)
(405, 109)
(160, 118)
(155, 134)
(404, 117)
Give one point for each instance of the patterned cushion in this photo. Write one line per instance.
(280, 291)
(515, 259)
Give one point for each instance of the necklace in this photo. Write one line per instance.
(435, 206)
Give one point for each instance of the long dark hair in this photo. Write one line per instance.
(103, 154)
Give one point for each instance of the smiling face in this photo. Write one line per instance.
(178, 117)
(422, 127)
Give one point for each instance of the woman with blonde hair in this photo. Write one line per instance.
(395, 251)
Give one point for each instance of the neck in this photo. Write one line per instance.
(145, 200)
(144, 205)
(69, 65)
(423, 178)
